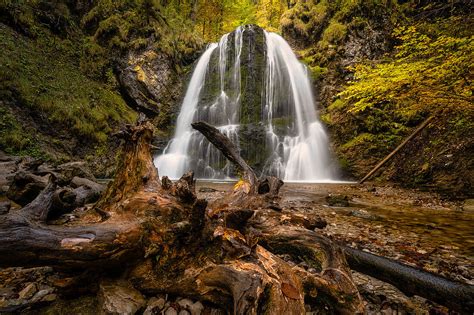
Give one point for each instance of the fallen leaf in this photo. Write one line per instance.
(290, 291)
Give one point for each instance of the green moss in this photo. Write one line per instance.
(281, 121)
(14, 139)
(359, 140)
(326, 119)
(337, 105)
(335, 32)
(317, 72)
(46, 79)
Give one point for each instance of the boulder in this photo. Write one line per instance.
(7, 169)
(149, 79)
(85, 195)
(79, 181)
(25, 187)
(72, 169)
(118, 297)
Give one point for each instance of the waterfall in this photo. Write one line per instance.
(303, 153)
(252, 87)
(175, 157)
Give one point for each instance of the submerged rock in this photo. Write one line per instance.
(337, 200)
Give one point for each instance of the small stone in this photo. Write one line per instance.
(196, 308)
(184, 312)
(171, 311)
(154, 305)
(28, 291)
(387, 311)
(6, 293)
(117, 297)
(5, 207)
(41, 294)
(49, 298)
(185, 303)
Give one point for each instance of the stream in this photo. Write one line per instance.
(413, 227)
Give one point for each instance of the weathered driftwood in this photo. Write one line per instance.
(162, 238)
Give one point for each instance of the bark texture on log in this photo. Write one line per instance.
(162, 238)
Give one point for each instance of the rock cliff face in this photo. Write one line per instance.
(250, 57)
(151, 83)
(335, 38)
(68, 81)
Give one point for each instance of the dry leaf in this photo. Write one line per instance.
(290, 291)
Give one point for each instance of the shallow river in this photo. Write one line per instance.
(415, 227)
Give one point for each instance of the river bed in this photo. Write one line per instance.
(415, 227)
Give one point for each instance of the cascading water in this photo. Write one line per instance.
(175, 157)
(252, 88)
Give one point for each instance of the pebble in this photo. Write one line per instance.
(185, 303)
(40, 294)
(184, 312)
(171, 311)
(196, 308)
(28, 291)
(49, 298)
(154, 304)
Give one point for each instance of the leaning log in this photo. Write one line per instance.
(388, 157)
(230, 151)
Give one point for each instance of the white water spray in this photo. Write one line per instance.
(298, 153)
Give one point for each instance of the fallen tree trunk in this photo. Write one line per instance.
(230, 151)
(411, 281)
(162, 238)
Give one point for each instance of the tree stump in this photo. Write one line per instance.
(163, 239)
